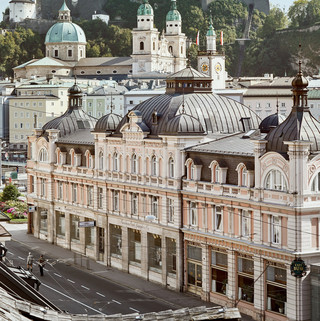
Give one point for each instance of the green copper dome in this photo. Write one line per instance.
(65, 32)
(145, 9)
(173, 14)
(211, 31)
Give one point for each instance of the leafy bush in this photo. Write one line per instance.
(10, 192)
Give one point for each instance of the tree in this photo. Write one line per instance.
(10, 193)
(298, 13)
(313, 11)
(276, 19)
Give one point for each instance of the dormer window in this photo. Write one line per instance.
(43, 155)
(154, 118)
(245, 177)
(275, 180)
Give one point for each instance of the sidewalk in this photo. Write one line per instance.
(178, 299)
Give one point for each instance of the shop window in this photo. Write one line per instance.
(75, 233)
(134, 246)
(115, 240)
(90, 236)
(245, 279)
(61, 223)
(194, 266)
(219, 272)
(43, 220)
(171, 256)
(154, 251)
(276, 289)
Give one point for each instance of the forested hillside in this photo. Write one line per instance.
(273, 45)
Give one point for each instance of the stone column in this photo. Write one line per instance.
(205, 272)
(232, 275)
(164, 259)
(67, 229)
(259, 285)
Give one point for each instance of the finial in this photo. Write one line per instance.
(75, 79)
(111, 104)
(183, 110)
(277, 105)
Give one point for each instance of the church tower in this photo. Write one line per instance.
(211, 62)
(176, 39)
(145, 41)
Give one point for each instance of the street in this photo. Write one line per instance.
(77, 291)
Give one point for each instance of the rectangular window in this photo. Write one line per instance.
(277, 289)
(134, 246)
(75, 233)
(42, 187)
(115, 200)
(245, 279)
(69, 53)
(171, 256)
(61, 227)
(90, 195)
(115, 240)
(43, 219)
(245, 223)
(100, 197)
(60, 190)
(154, 206)
(219, 272)
(74, 192)
(193, 214)
(170, 210)
(218, 218)
(134, 203)
(154, 251)
(275, 229)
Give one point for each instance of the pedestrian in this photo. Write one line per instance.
(41, 263)
(29, 262)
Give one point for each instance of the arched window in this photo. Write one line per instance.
(275, 180)
(243, 179)
(315, 186)
(101, 161)
(88, 159)
(154, 206)
(192, 171)
(170, 49)
(154, 165)
(43, 155)
(115, 161)
(141, 45)
(134, 164)
(171, 167)
(215, 172)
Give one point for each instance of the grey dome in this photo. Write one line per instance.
(271, 122)
(183, 124)
(216, 114)
(108, 123)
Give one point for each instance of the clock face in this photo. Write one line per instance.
(204, 67)
(218, 67)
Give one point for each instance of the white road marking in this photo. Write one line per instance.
(21, 258)
(10, 253)
(69, 297)
(71, 281)
(100, 294)
(46, 269)
(57, 275)
(134, 310)
(85, 287)
(116, 301)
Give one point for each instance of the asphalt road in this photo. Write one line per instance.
(79, 292)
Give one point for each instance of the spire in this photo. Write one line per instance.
(211, 37)
(64, 12)
(299, 89)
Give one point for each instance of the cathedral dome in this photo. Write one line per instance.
(173, 14)
(145, 9)
(65, 32)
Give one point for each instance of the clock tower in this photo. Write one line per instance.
(211, 62)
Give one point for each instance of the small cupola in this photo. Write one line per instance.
(211, 38)
(64, 13)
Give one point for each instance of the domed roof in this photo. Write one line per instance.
(300, 125)
(216, 114)
(183, 125)
(74, 119)
(65, 32)
(173, 14)
(145, 9)
(271, 122)
(108, 123)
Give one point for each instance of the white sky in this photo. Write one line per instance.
(281, 3)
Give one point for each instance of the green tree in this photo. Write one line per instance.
(298, 13)
(313, 11)
(276, 19)
(10, 193)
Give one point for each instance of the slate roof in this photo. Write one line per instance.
(105, 61)
(230, 145)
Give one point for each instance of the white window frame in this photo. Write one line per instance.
(193, 214)
(245, 223)
(101, 165)
(115, 200)
(170, 210)
(43, 155)
(275, 180)
(134, 203)
(218, 217)
(134, 164)
(154, 206)
(171, 167)
(115, 161)
(275, 229)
